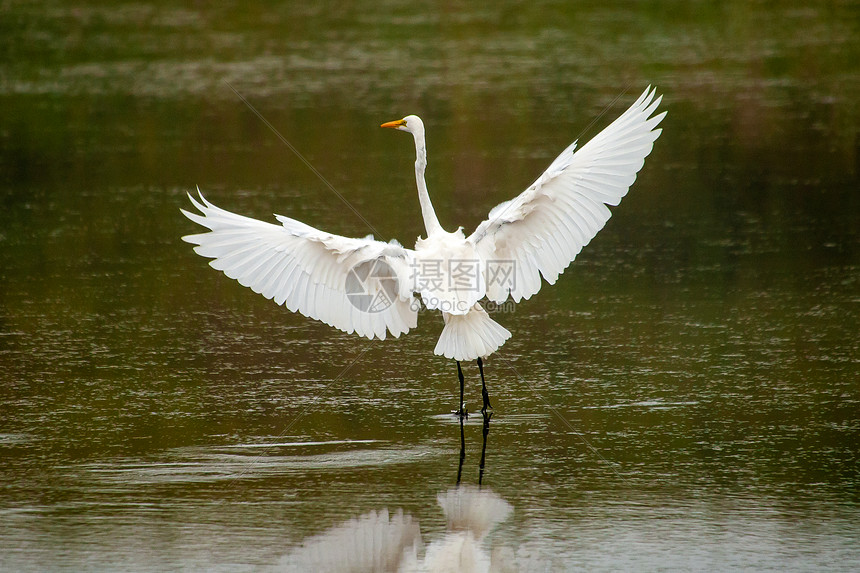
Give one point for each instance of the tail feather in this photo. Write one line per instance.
(470, 336)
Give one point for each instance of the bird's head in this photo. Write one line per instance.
(410, 123)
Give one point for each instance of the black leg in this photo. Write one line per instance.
(484, 394)
(461, 410)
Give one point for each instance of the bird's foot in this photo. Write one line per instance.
(486, 398)
(487, 408)
(462, 412)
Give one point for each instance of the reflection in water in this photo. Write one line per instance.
(375, 541)
(485, 432)
(380, 541)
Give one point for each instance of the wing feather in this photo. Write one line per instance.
(306, 269)
(547, 225)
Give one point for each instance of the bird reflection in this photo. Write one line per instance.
(382, 541)
(485, 432)
(379, 541)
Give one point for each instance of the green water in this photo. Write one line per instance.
(685, 397)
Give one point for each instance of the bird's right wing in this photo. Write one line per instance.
(355, 285)
(540, 231)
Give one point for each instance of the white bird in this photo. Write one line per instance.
(391, 541)
(368, 286)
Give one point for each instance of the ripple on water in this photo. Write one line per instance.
(12, 439)
(219, 463)
(652, 404)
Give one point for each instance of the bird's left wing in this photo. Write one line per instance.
(540, 232)
(355, 285)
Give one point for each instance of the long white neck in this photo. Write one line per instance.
(431, 222)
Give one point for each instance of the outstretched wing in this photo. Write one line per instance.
(355, 285)
(541, 231)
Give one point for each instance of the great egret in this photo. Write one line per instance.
(368, 286)
(391, 541)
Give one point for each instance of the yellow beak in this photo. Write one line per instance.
(394, 124)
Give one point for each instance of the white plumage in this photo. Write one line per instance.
(536, 234)
(305, 269)
(383, 541)
(546, 226)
